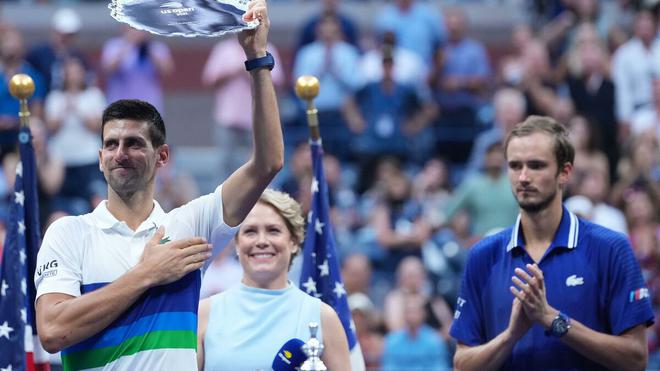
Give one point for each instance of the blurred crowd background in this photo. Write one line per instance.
(416, 97)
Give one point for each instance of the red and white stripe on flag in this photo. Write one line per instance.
(36, 357)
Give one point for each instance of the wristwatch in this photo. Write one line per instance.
(264, 62)
(559, 326)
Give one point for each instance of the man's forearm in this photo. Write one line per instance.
(243, 188)
(269, 144)
(627, 351)
(489, 356)
(63, 321)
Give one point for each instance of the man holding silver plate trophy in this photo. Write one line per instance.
(187, 18)
(119, 287)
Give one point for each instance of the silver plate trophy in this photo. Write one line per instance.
(187, 18)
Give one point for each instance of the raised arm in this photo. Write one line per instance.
(243, 188)
(64, 320)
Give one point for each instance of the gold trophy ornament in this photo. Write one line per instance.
(307, 88)
(21, 87)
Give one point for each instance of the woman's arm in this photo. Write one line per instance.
(202, 323)
(335, 354)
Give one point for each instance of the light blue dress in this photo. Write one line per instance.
(248, 326)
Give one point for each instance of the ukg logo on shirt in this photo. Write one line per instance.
(48, 269)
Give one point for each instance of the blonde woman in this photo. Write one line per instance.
(244, 327)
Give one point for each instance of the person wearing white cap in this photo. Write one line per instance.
(48, 58)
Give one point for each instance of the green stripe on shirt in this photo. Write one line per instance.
(153, 340)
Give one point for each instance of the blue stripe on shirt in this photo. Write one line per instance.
(179, 296)
(168, 321)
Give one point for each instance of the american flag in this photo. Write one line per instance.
(17, 341)
(321, 276)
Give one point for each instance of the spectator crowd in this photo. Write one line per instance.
(413, 115)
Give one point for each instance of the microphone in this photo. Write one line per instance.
(290, 356)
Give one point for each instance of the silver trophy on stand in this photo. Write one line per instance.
(313, 349)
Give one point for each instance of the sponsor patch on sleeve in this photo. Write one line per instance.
(460, 302)
(639, 294)
(48, 269)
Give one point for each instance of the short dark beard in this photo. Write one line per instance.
(535, 208)
(125, 195)
(126, 190)
(124, 187)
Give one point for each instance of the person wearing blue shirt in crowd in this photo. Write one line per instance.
(419, 26)
(417, 346)
(329, 7)
(12, 61)
(388, 118)
(49, 58)
(334, 62)
(579, 300)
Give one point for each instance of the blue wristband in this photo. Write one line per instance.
(268, 62)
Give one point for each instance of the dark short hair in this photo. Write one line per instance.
(564, 150)
(134, 109)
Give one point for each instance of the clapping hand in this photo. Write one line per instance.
(530, 290)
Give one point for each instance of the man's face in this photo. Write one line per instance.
(356, 273)
(330, 5)
(405, 4)
(595, 185)
(414, 311)
(645, 26)
(128, 159)
(66, 39)
(494, 160)
(329, 31)
(533, 173)
(11, 47)
(456, 25)
(508, 113)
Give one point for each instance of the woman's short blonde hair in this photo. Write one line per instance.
(290, 210)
